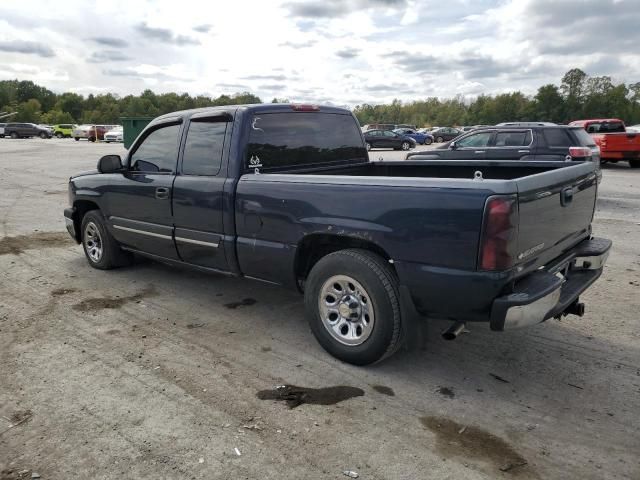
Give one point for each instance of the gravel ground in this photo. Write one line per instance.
(154, 372)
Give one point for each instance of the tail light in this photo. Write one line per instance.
(579, 152)
(498, 232)
(298, 107)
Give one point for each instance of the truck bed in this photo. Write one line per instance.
(458, 169)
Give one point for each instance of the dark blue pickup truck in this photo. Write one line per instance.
(286, 194)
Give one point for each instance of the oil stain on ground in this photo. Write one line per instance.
(245, 302)
(18, 244)
(446, 392)
(295, 396)
(384, 390)
(454, 439)
(95, 304)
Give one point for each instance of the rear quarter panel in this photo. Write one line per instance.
(410, 222)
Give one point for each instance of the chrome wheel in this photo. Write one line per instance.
(93, 242)
(405, 146)
(346, 310)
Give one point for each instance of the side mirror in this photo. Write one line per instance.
(110, 164)
(452, 146)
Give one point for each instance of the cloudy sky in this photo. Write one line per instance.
(340, 51)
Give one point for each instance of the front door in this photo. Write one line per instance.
(198, 199)
(139, 200)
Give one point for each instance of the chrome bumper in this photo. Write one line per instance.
(548, 293)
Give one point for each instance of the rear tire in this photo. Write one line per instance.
(43, 135)
(14, 135)
(59, 135)
(101, 249)
(634, 163)
(359, 322)
(76, 139)
(439, 139)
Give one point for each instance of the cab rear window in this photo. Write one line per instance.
(279, 141)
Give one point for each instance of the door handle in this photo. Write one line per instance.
(566, 197)
(523, 151)
(162, 193)
(480, 151)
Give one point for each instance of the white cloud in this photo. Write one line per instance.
(337, 51)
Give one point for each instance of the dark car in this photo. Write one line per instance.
(388, 139)
(532, 143)
(444, 134)
(25, 130)
(419, 137)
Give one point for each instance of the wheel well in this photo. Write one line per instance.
(82, 207)
(313, 247)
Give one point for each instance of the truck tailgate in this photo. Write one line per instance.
(555, 212)
(620, 142)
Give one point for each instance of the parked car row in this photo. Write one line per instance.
(522, 141)
(108, 133)
(96, 132)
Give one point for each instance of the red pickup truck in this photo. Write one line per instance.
(613, 139)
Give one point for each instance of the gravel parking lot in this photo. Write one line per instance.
(154, 372)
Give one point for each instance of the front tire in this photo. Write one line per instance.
(59, 135)
(14, 135)
(427, 141)
(77, 139)
(101, 249)
(405, 146)
(43, 135)
(352, 303)
(439, 139)
(634, 163)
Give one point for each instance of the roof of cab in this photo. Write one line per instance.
(255, 107)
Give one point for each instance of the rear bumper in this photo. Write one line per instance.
(549, 292)
(620, 155)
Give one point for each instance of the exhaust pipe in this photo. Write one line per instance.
(454, 330)
(576, 308)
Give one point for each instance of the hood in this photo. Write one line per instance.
(84, 174)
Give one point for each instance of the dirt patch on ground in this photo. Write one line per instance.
(245, 302)
(295, 396)
(20, 417)
(446, 392)
(455, 439)
(384, 390)
(35, 241)
(14, 474)
(101, 303)
(58, 292)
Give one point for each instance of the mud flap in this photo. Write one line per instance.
(414, 326)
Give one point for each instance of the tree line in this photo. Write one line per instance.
(578, 96)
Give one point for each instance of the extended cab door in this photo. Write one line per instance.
(198, 198)
(139, 200)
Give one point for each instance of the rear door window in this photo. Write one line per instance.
(284, 140)
(203, 148)
(513, 139)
